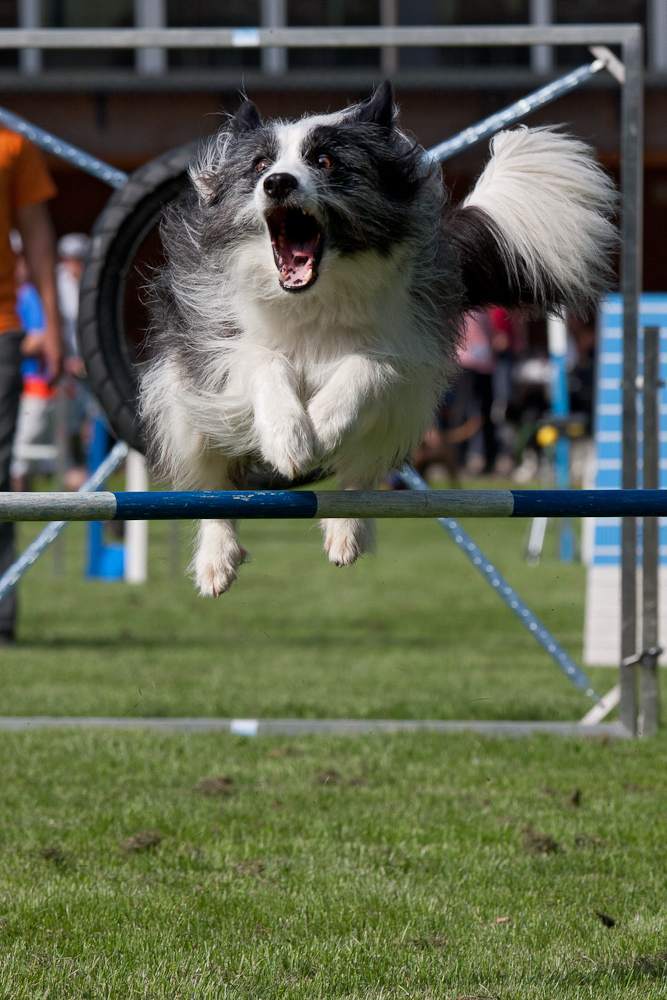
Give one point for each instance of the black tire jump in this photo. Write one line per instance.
(130, 216)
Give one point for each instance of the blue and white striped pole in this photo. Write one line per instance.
(305, 504)
(65, 150)
(515, 112)
(506, 592)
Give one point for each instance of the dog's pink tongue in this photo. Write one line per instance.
(297, 262)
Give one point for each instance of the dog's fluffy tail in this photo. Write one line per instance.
(536, 230)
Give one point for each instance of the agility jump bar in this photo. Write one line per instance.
(157, 506)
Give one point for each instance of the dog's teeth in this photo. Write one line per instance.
(308, 275)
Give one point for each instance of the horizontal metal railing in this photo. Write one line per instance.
(304, 38)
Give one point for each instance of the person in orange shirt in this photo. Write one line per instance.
(25, 187)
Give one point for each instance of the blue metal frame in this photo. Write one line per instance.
(296, 504)
(515, 112)
(65, 150)
(506, 591)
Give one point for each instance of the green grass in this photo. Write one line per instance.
(413, 632)
(365, 867)
(375, 867)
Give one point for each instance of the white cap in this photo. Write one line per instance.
(15, 242)
(73, 245)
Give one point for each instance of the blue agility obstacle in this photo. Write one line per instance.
(442, 505)
(282, 504)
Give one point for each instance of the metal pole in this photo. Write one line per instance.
(648, 676)
(305, 38)
(541, 56)
(150, 14)
(390, 53)
(515, 112)
(273, 14)
(30, 16)
(252, 504)
(63, 149)
(631, 283)
(657, 35)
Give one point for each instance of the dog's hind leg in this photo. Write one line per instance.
(218, 557)
(347, 538)
(219, 554)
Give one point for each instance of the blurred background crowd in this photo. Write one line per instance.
(489, 422)
(53, 419)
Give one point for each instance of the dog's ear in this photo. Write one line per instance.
(246, 118)
(205, 184)
(380, 109)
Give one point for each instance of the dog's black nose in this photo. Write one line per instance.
(279, 185)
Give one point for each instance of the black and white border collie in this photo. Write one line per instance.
(310, 306)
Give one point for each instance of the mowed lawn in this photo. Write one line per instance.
(376, 867)
(413, 632)
(373, 867)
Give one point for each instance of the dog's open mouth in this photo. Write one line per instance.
(296, 239)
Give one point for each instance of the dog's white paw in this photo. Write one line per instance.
(328, 425)
(346, 538)
(216, 571)
(288, 446)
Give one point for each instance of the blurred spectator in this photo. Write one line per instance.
(581, 368)
(72, 250)
(472, 395)
(508, 341)
(436, 454)
(25, 187)
(35, 423)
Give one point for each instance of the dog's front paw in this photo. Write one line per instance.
(328, 423)
(288, 446)
(345, 539)
(216, 571)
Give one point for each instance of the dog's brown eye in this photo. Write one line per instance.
(324, 161)
(262, 166)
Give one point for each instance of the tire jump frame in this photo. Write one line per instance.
(129, 216)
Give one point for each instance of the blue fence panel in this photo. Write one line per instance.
(609, 417)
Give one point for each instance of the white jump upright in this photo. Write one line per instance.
(135, 563)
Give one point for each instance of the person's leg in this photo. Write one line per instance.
(484, 389)
(10, 393)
